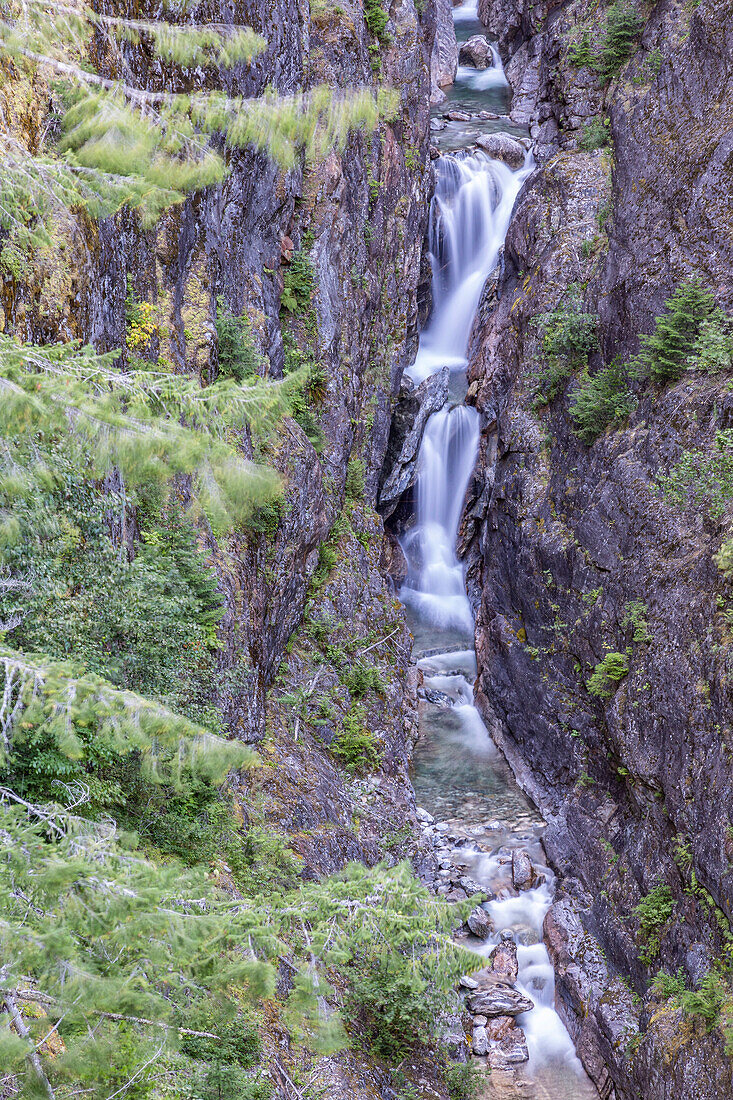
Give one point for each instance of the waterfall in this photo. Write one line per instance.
(469, 218)
(459, 773)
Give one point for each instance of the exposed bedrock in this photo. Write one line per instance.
(563, 541)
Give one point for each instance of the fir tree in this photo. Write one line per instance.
(664, 352)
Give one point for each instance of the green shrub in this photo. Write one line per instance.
(355, 745)
(376, 19)
(653, 914)
(607, 674)
(702, 478)
(622, 28)
(463, 1080)
(665, 352)
(568, 336)
(596, 134)
(600, 400)
(298, 283)
(238, 357)
(711, 1002)
(354, 486)
(362, 678)
(712, 351)
(635, 613)
(581, 53)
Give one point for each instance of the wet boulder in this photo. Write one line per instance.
(476, 52)
(504, 960)
(499, 1000)
(509, 1051)
(415, 406)
(523, 873)
(504, 147)
(480, 923)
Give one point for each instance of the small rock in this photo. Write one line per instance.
(480, 923)
(523, 875)
(486, 115)
(438, 124)
(506, 934)
(467, 982)
(423, 815)
(480, 1041)
(472, 887)
(457, 116)
(477, 52)
(480, 1021)
(502, 1000)
(456, 894)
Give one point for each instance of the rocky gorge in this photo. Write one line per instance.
(417, 637)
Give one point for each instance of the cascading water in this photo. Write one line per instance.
(469, 218)
(459, 774)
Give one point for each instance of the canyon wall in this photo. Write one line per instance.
(563, 538)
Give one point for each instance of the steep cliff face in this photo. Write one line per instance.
(576, 551)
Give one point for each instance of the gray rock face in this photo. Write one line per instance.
(562, 537)
(502, 147)
(476, 51)
(413, 409)
(499, 1000)
(444, 58)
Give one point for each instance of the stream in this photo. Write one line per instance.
(460, 777)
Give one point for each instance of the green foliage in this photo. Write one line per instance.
(665, 352)
(712, 1001)
(601, 399)
(568, 336)
(702, 478)
(361, 678)
(355, 746)
(298, 285)
(596, 134)
(653, 913)
(376, 19)
(619, 34)
(354, 485)
(607, 675)
(635, 613)
(118, 144)
(463, 1080)
(144, 425)
(712, 351)
(724, 559)
(238, 358)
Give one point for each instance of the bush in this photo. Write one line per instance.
(596, 134)
(701, 478)
(354, 486)
(568, 338)
(601, 399)
(665, 352)
(463, 1080)
(607, 674)
(376, 20)
(635, 614)
(712, 1001)
(238, 357)
(355, 745)
(653, 914)
(361, 679)
(712, 351)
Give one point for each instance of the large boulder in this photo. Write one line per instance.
(509, 1051)
(504, 961)
(476, 52)
(480, 923)
(499, 1000)
(413, 409)
(523, 873)
(504, 147)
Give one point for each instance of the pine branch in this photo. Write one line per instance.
(32, 1057)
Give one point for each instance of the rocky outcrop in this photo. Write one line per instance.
(414, 406)
(562, 539)
(444, 58)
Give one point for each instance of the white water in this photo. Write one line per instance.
(469, 219)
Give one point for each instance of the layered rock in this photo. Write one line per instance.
(562, 538)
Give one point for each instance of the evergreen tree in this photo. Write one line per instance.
(120, 144)
(664, 352)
